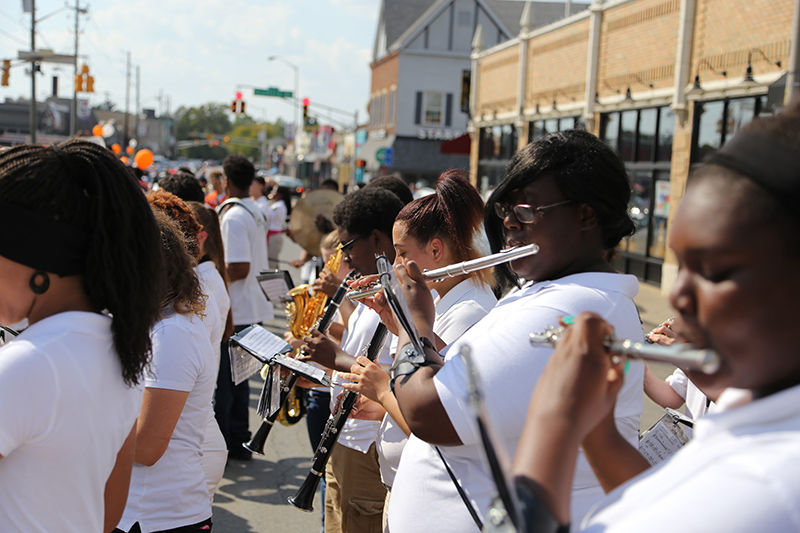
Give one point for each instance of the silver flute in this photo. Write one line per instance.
(457, 269)
(683, 356)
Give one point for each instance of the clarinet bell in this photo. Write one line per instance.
(256, 444)
(304, 498)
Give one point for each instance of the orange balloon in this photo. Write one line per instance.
(124, 160)
(116, 148)
(97, 131)
(144, 158)
(129, 150)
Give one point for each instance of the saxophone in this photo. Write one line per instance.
(302, 314)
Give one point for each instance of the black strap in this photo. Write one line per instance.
(464, 498)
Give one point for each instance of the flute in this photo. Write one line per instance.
(681, 355)
(457, 269)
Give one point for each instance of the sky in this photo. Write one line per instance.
(195, 52)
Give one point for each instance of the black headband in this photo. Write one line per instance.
(41, 242)
(768, 162)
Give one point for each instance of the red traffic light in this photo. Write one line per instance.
(238, 95)
(306, 101)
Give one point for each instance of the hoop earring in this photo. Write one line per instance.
(39, 288)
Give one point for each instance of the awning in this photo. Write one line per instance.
(370, 149)
(458, 146)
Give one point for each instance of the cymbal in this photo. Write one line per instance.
(304, 214)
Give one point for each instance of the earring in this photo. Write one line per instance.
(40, 288)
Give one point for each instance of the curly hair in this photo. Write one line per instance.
(396, 184)
(87, 187)
(454, 214)
(367, 209)
(184, 185)
(177, 210)
(585, 169)
(182, 291)
(239, 170)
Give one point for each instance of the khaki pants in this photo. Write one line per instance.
(355, 495)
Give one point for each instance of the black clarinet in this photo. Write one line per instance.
(256, 444)
(304, 499)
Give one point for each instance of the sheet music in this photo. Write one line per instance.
(243, 364)
(266, 347)
(275, 285)
(663, 440)
(261, 343)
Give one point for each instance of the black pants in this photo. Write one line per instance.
(232, 403)
(205, 525)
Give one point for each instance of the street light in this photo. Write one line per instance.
(296, 88)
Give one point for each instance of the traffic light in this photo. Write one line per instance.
(306, 101)
(237, 106)
(360, 163)
(84, 82)
(6, 72)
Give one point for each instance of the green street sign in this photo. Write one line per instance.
(380, 155)
(273, 91)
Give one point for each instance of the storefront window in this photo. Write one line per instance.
(628, 141)
(666, 132)
(709, 131)
(541, 128)
(717, 121)
(648, 119)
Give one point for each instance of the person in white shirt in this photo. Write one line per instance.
(83, 269)
(568, 193)
(281, 207)
(435, 231)
(168, 488)
(354, 496)
(735, 237)
(243, 228)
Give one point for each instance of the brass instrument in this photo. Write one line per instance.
(684, 356)
(302, 313)
(458, 269)
(303, 220)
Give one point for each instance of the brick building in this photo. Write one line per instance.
(665, 82)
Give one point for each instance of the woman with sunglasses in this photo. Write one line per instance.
(568, 193)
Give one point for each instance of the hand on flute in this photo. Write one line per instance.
(377, 303)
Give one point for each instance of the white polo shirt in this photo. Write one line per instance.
(65, 412)
(424, 497)
(739, 474)
(456, 312)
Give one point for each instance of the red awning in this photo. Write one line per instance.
(458, 146)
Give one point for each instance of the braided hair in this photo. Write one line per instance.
(83, 185)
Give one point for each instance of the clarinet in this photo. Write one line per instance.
(256, 444)
(304, 499)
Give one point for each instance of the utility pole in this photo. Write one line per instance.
(33, 113)
(127, 102)
(138, 105)
(73, 116)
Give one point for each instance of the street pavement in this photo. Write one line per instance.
(252, 496)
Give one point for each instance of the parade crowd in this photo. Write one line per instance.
(119, 411)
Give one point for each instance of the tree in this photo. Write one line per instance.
(196, 123)
(245, 138)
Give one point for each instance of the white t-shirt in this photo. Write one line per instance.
(173, 492)
(278, 220)
(214, 287)
(215, 450)
(423, 495)
(245, 241)
(740, 473)
(359, 434)
(64, 414)
(696, 402)
(459, 309)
